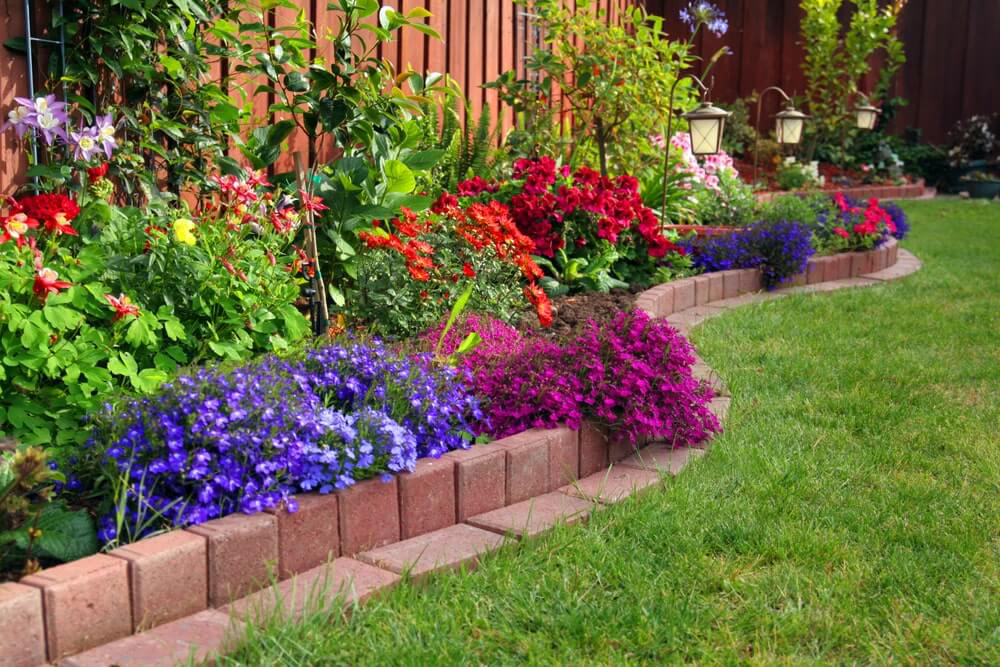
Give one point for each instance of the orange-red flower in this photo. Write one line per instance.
(15, 228)
(122, 306)
(468, 270)
(55, 211)
(540, 300)
(47, 282)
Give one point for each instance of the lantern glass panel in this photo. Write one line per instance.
(789, 130)
(706, 135)
(867, 118)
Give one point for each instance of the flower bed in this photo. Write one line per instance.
(909, 191)
(70, 608)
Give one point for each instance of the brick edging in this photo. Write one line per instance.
(908, 191)
(181, 584)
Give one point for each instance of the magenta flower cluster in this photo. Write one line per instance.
(631, 373)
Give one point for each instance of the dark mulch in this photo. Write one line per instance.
(571, 313)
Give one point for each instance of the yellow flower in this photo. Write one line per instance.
(183, 231)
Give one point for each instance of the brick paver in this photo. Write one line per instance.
(534, 516)
(618, 483)
(663, 458)
(448, 548)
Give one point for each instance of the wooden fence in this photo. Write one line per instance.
(480, 40)
(952, 69)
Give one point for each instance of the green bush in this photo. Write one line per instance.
(732, 205)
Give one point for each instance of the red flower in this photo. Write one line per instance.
(54, 210)
(97, 173)
(540, 300)
(841, 232)
(311, 203)
(468, 270)
(47, 282)
(122, 306)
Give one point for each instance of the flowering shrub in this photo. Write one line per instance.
(779, 249)
(861, 227)
(222, 440)
(94, 296)
(416, 265)
(630, 373)
(588, 231)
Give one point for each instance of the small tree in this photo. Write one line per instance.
(614, 80)
(835, 63)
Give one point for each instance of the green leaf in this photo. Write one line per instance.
(61, 317)
(469, 343)
(66, 535)
(279, 132)
(295, 82)
(398, 177)
(456, 310)
(423, 160)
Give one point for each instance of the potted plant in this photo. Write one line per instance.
(980, 184)
(974, 146)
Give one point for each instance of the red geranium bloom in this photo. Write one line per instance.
(468, 270)
(47, 282)
(841, 232)
(122, 305)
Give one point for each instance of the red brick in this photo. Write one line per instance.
(527, 464)
(715, 286)
(647, 302)
(814, 271)
(564, 457)
(730, 283)
(345, 580)
(612, 485)
(593, 448)
(535, 515)
(194, 638)
(844, 266)
(828, 268)
(663, 458)
(702, 290)
(22, 630)
(369, 515)
(750, 281)
(448, 548)
(86, 604)
(893, 253)
(720, 407)
(664, 299)
(480, 479)
(427, 497)
(881, 258)
(683, 294)
(620, 447)
(168, 576)
(858, 263)
(309, 536)
(242, 554)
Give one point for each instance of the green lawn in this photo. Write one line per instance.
(849, 515)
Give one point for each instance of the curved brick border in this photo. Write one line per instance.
(909, 191)
(184, 592)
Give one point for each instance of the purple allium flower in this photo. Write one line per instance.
(702, 13)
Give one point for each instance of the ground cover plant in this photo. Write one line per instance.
(847, 515)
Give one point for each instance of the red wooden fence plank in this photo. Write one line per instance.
(456, 45)
(492, 41)
(13, 82)
(477, 42)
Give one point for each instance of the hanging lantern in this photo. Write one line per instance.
(706, 125)
(788, 125)
(867, 116)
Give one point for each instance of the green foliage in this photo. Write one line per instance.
(467, 150)
(733, 205)
(792, 176)
(34, 528)
(155, 63)
(621, 78)
(739, 136)
(835, 63)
